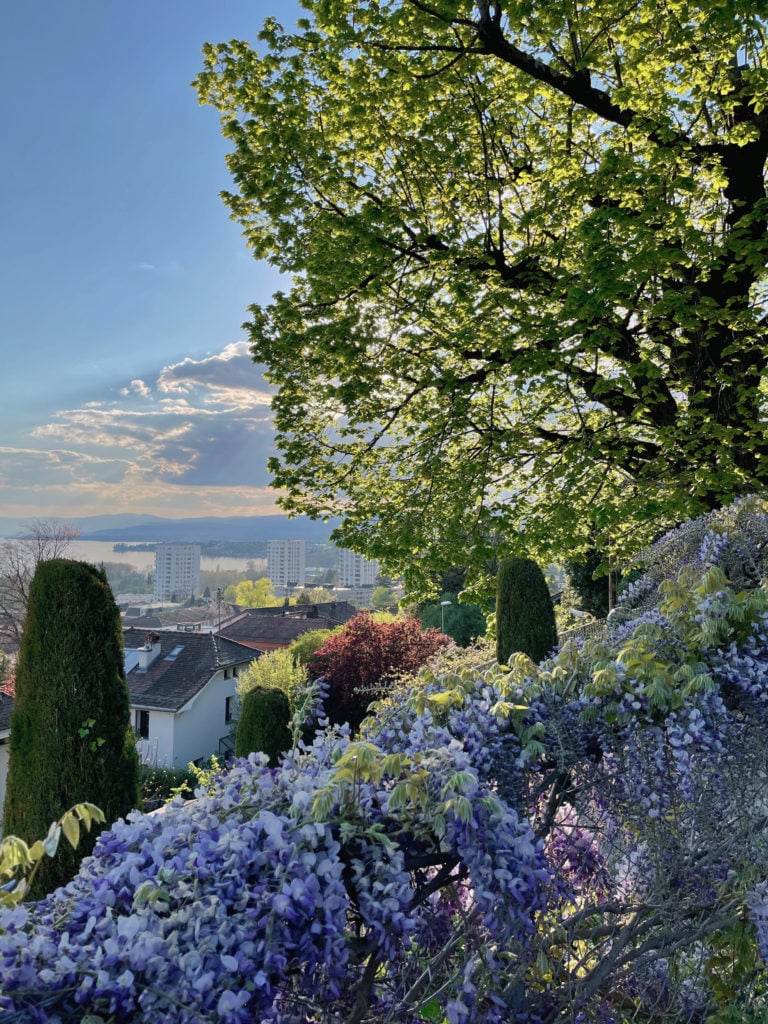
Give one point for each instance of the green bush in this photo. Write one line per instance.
(264, 723)
(591, 590)
(276, 670)
(304, 647)
(525, 616)
(160, 784)
(71, 740)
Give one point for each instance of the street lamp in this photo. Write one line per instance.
(443, 605)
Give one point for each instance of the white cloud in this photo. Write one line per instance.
(200, 427)
(136, 386)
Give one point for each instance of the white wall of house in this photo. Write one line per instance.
(202, 722)
(193, 732)
(157, 749)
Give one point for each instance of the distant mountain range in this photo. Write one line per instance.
(131, 527)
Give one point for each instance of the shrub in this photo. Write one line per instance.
(276, 670)
(304, 647)
(525, 617)
(591, 590)
(71, 740)
(360, 660)
(263, 724)
(582, 839)
(160, 784)
(463, 623)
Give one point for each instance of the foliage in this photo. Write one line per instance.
(382, 599)
(735, 538)
(251, 593)
(304, 647)
(293, 892)
(525, 617)
(588, 578)
(463, 623)
(313, 595)
(127, 579)
(263, 724)
(359, 661)
(70, 730)
(213, 579)
(528, 259)
(46, 538)
(275, 670)
(19, 862)
(159, 784)
(582, 840)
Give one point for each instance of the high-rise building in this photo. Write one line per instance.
(286, 563)
(177, 571)
(356, 570)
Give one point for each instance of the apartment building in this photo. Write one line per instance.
(286, 563)
(177, 572)
(356, 570)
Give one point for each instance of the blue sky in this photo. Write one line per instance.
(128, 386)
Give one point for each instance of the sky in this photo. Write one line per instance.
(127, 381)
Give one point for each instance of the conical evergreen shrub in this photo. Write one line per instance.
(71, 739)
(525, 616)
(263, 724)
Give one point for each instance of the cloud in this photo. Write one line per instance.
(193, 437)
(137, 386)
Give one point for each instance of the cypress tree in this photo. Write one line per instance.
(525, 616)
(71, 739)
(263, 723)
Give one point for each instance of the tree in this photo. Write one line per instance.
(70, 731)
(382, 599)
(587, 577)
(45, 538)
(528, 247)
(303, 648)
(525, 617)
(252, 593)
(275, 670)
(263, 724)
(313, 595)
(359, 660)
(461, 622)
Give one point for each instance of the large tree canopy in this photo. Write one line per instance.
(528, 253)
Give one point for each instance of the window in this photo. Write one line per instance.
(229, 709)
(226, 673)
(141, 724)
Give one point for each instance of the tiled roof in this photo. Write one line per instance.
(338, 611)
(6, 708)
(173, 679)
(271, 629)
(143, 622)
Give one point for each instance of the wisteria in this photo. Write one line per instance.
(250, 903)
(532, 844)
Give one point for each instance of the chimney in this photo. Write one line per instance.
(150, 652)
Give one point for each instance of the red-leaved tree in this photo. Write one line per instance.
(361, 659)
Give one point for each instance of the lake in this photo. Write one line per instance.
(97, 551)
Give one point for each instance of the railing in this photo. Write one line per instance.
(227, 746)
(594, 628)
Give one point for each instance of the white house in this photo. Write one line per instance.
(182, 692)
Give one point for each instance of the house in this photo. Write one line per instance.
(182, 693)
(339, 611)
(272, 632)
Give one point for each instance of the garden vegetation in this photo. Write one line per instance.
(583, 839)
